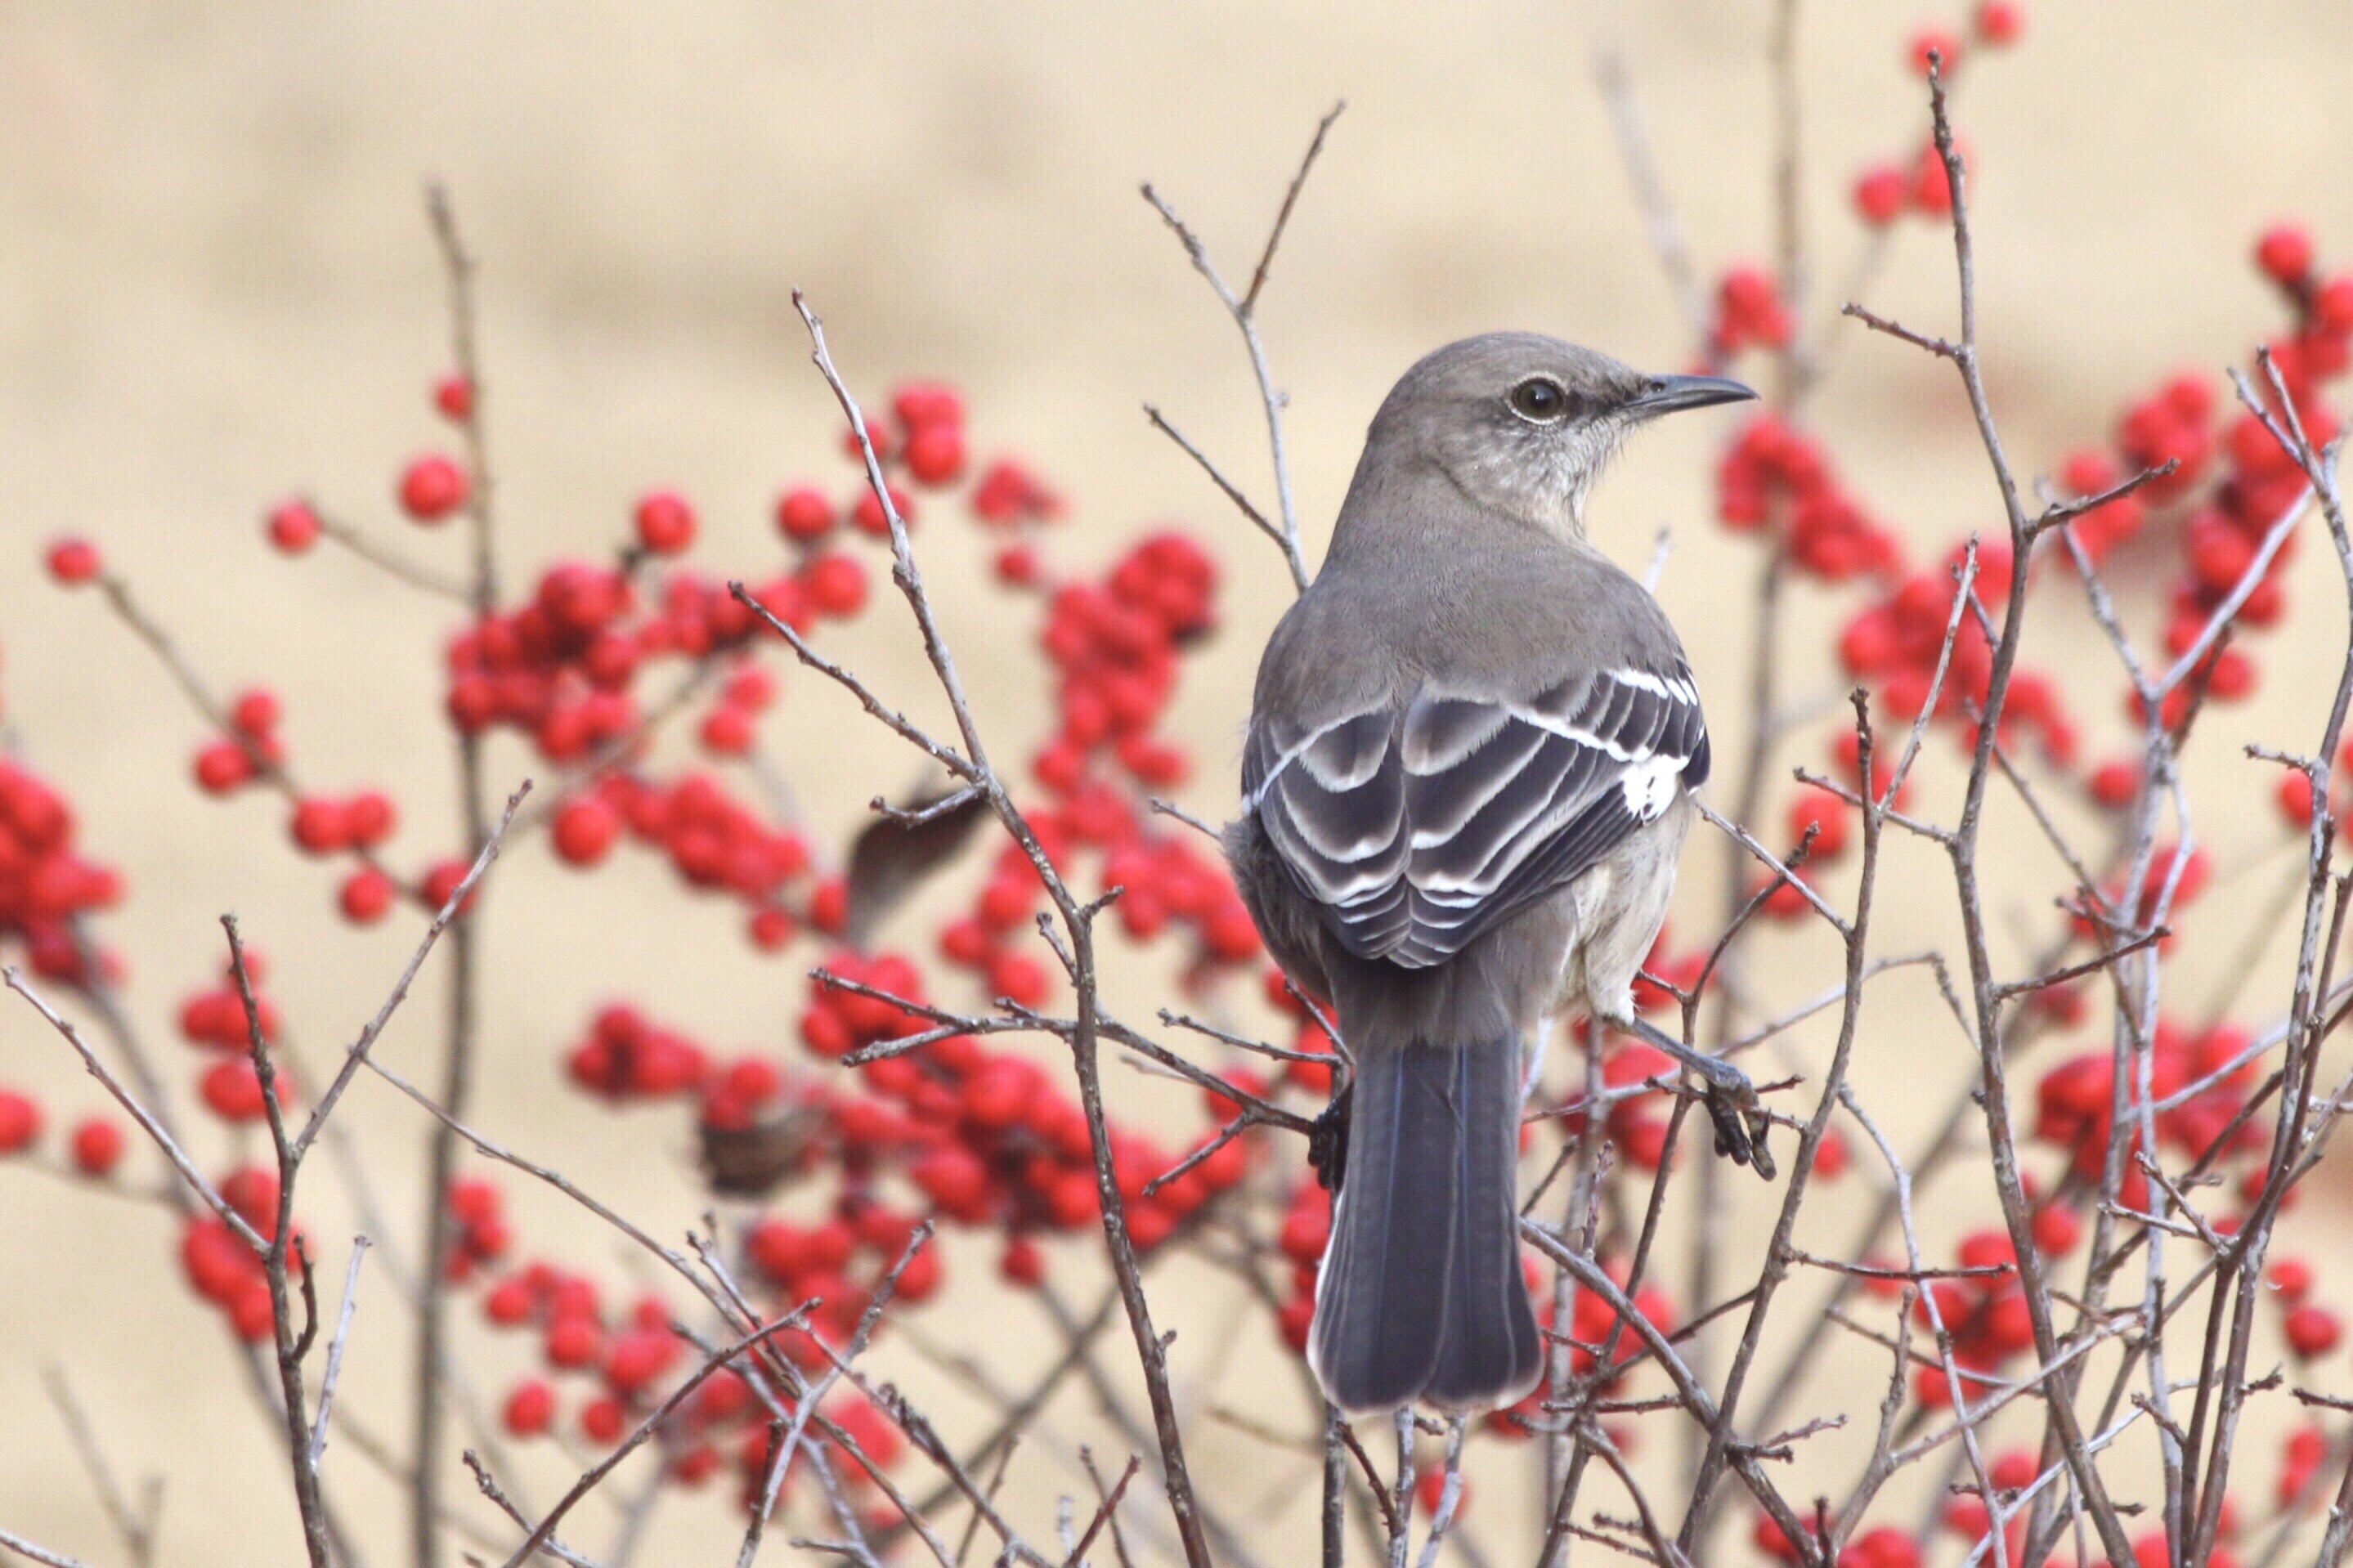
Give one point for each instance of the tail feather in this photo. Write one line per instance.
(1420, 1296)
(1490, 1351)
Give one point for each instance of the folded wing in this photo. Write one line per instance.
(1416, 828)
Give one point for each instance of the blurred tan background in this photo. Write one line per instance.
(216, 286)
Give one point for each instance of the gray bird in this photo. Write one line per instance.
(1464, 790)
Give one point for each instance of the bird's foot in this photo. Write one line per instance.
(1740, 1119)
(1327, 1144)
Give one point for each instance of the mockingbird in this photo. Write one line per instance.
(1463, 794)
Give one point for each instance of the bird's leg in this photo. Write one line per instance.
(1534, 1068)
(1732, 1102)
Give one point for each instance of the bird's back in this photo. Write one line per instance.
(1424, 587)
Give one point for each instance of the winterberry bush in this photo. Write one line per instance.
(2068, 1299)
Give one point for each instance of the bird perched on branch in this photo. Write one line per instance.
(1464, 790)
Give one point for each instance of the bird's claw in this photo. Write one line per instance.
(1741, 1124)
(1739, 1115)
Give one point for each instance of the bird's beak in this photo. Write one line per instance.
(1672, 394)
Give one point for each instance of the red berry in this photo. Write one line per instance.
(257, 712)
(935, 453)
(20, 1122)
(1882, 1547)
(604, 1420)
(73, 560)
(97, 1146)
(2010, 1323)
(867, 516)
(2291, 1277)
(2311, 1331)
(919, 1280)
(2294, 797)
(251, 1314)
(1932, 183)
(921, 404)
(829, 906)
(2115, 783)
(750, 688)
(365, 896)
(2332, 305)
(432, 487)
(1987, 1249)
(2284, 253)
(530, 1408)
(1021, 1263)
(1016, 565)
(453, 394)
(1880, 194)
(293, 526)
(638, 1357)
(474, 1199)
(727, 731)
(442, 884)
(804, 515)
(664, 522)
(836, 583)
(2056, 1230)
(1942, 45)
(584, 830)
(574, 1341)
(320, 827)
(1772, 1541)
(508, 1301)
(771, 928)
(369, 818)
(1825, 812)
(222, 766)
(1999, 23)
(232, 1090)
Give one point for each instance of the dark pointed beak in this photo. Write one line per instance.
(1672, 394)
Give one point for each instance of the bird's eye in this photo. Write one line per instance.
(1540, 399)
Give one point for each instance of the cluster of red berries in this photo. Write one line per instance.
(483, 1234)
(1881, 1546)
(229, 762)
(96, 1143)
(560, 669)
(1778, 477)
(2311, 1329)
(2073, 1104)
(44, 884)
(626, 1057)
(213, 1020)
(714, 842)
(1986, 1314)
(2226, 515)
(629, 1359)
(1590, 1319)
(354, 825)
(981, 1137)
(1012, 499)
(1895, 641)
(220, 1267)
(986, 1135)
(1115, 647)
(1885, 192)
(1749, 313)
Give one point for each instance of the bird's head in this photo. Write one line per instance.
(1524, 423)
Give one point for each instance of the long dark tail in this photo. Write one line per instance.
(1421, 1295)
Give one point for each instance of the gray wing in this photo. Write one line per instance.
(1416, 828)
